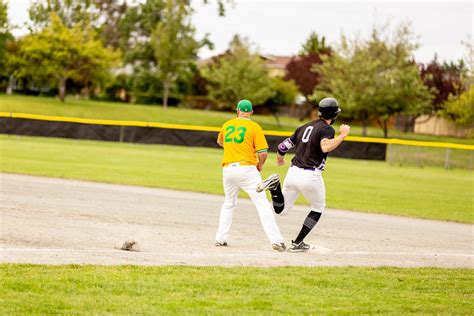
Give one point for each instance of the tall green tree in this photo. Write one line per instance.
(104, 15)
(375, 78)
(301, 68)
(71, 12)
(110, 15)
(7, 48)
(58, 53)
(285, 93)
(460, 109)
(137, 28)
(315, 45)
(5, 34)
(175, 48)
(221, 5)
(469, 61)
(238, 74)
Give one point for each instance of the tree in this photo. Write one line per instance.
(104, 15)
(5, 34)
(238, 74)
(301, 68)
(285, 94)
(315, 45)
(4, 27)
(137, 28)
(71, 12)
(175, 48)
(58, 53)
(443, 80)
(460, 109)
(109, 21)
(375, 78)
(7, 49)
(469, 61)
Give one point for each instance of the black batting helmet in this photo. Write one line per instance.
(328, 108)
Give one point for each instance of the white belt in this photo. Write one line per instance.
(237, 164)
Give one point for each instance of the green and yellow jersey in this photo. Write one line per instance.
(241, 139)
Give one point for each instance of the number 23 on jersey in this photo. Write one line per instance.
(234, 134)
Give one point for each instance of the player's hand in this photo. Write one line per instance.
(344, 130)
(259, 167)
(280, 160)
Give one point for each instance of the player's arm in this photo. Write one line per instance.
(220, 139)
(283, 148)
(261, 147)
(328, 145)
(262, 156)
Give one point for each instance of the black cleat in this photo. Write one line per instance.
(268, 184)
(221, 244)
(301, 247)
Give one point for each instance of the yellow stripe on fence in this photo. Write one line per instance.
(107, 122)
(409, 142)
(216, 129)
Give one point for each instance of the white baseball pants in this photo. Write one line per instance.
(310, 183)
(236, 178)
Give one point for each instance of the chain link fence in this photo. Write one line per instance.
(420, 156)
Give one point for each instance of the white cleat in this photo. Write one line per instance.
(269, 183)
(279, 247)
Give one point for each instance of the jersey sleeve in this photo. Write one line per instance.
(294, 137)
(260, 141)
(327, 132)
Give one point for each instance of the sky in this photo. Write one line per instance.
(280, 27)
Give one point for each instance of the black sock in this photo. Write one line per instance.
(309, 223)
(278, 199)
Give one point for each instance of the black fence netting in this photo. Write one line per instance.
(157, 135)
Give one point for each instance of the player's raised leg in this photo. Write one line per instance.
(272, 183)
(282, 200)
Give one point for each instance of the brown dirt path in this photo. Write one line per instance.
(55, 221)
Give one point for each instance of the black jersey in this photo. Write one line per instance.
(307, 140)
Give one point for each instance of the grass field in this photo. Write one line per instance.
(359, 185)
(167, 290)
(129, 112)
(154, 113)
(351, 184)
(430, 157)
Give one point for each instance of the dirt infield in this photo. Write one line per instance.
(55, 221)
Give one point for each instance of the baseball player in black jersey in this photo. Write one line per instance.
(313, 141)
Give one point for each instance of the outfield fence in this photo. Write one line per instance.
(394, 151)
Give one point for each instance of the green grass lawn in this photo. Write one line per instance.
(153, 113)
(129, 112)
(370, 186)
(72, 289)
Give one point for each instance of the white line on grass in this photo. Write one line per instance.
(231, 254)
